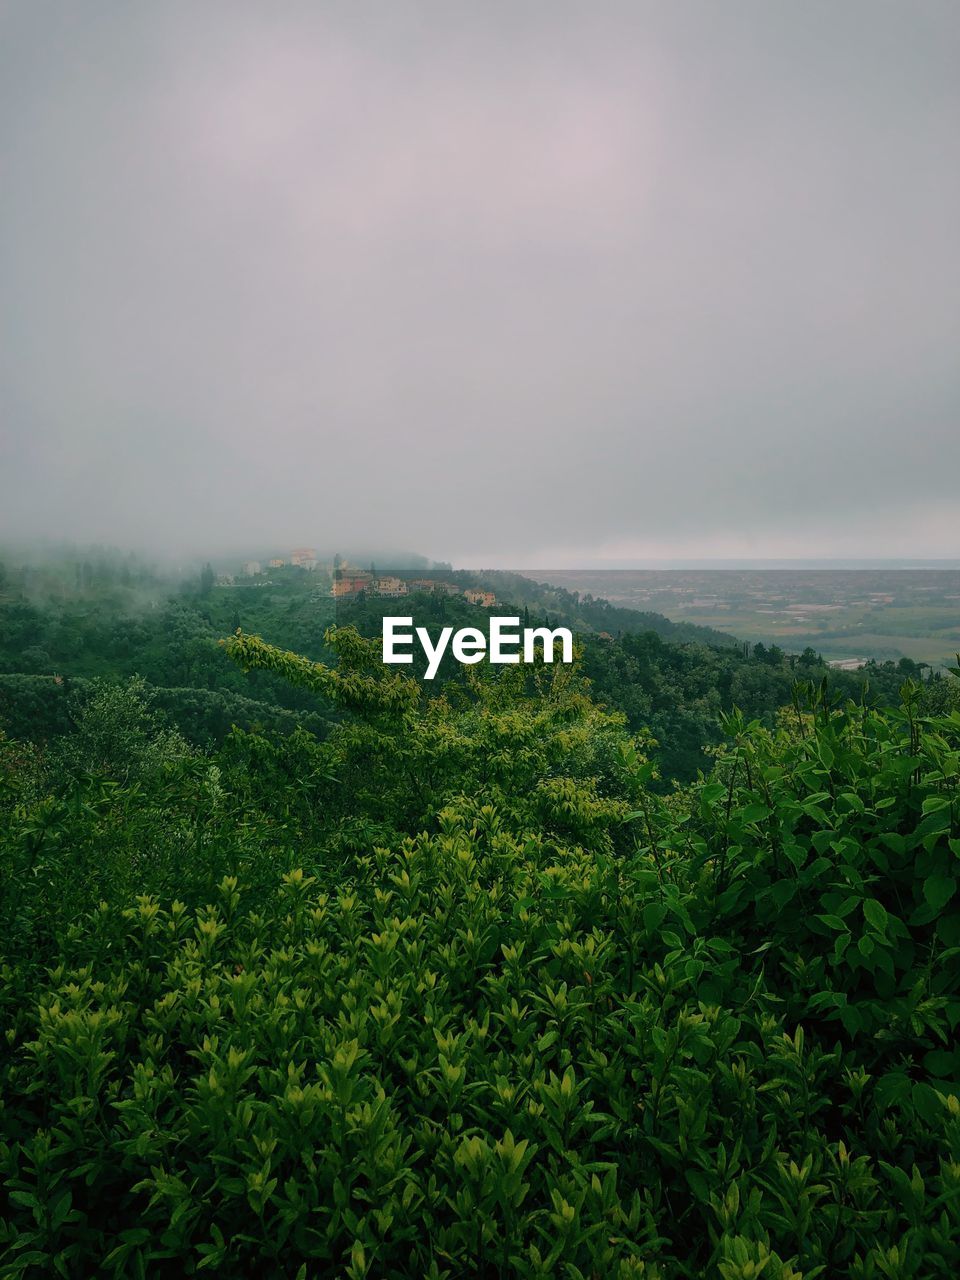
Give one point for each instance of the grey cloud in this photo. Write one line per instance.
(491, 281)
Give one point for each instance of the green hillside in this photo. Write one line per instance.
(453, 992)
(65, 623)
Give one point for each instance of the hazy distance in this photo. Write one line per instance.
(534, 284)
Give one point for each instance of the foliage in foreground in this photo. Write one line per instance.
(453, 993)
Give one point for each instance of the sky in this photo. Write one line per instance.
(503, 283)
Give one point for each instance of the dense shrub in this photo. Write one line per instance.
(512, 1014)
(42, 708)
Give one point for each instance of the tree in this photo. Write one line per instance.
(117, 735)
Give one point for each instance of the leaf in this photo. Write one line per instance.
(834, 922)
(795, 852)
(653, 916)
(893, 1087)
(933, 824)
(927, 1103)
(847, 905)
(61, 1209)
(875, 914)
(698, 1185)
(938, 890)
(933, 804)
(755, 813)
(783, 892)
(852, 1020)
(944, 1063)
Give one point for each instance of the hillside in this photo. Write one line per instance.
(454, 993)
(64, 623)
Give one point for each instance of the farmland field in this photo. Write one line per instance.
(843, 614)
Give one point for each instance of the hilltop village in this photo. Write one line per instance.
(350, 583)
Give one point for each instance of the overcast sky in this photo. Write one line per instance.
(498, 282)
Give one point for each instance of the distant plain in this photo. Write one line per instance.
(843, 614)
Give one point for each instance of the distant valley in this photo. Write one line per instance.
(848, 615)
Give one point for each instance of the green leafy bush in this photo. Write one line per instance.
(507, 1011)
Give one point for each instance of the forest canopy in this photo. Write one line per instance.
(458, 988)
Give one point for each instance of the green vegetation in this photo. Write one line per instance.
(673, 682)
(65, 623)
(458, 990)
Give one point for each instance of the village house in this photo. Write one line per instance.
(389, 588)
(486, 599)
(251, 568)
(350, 582)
